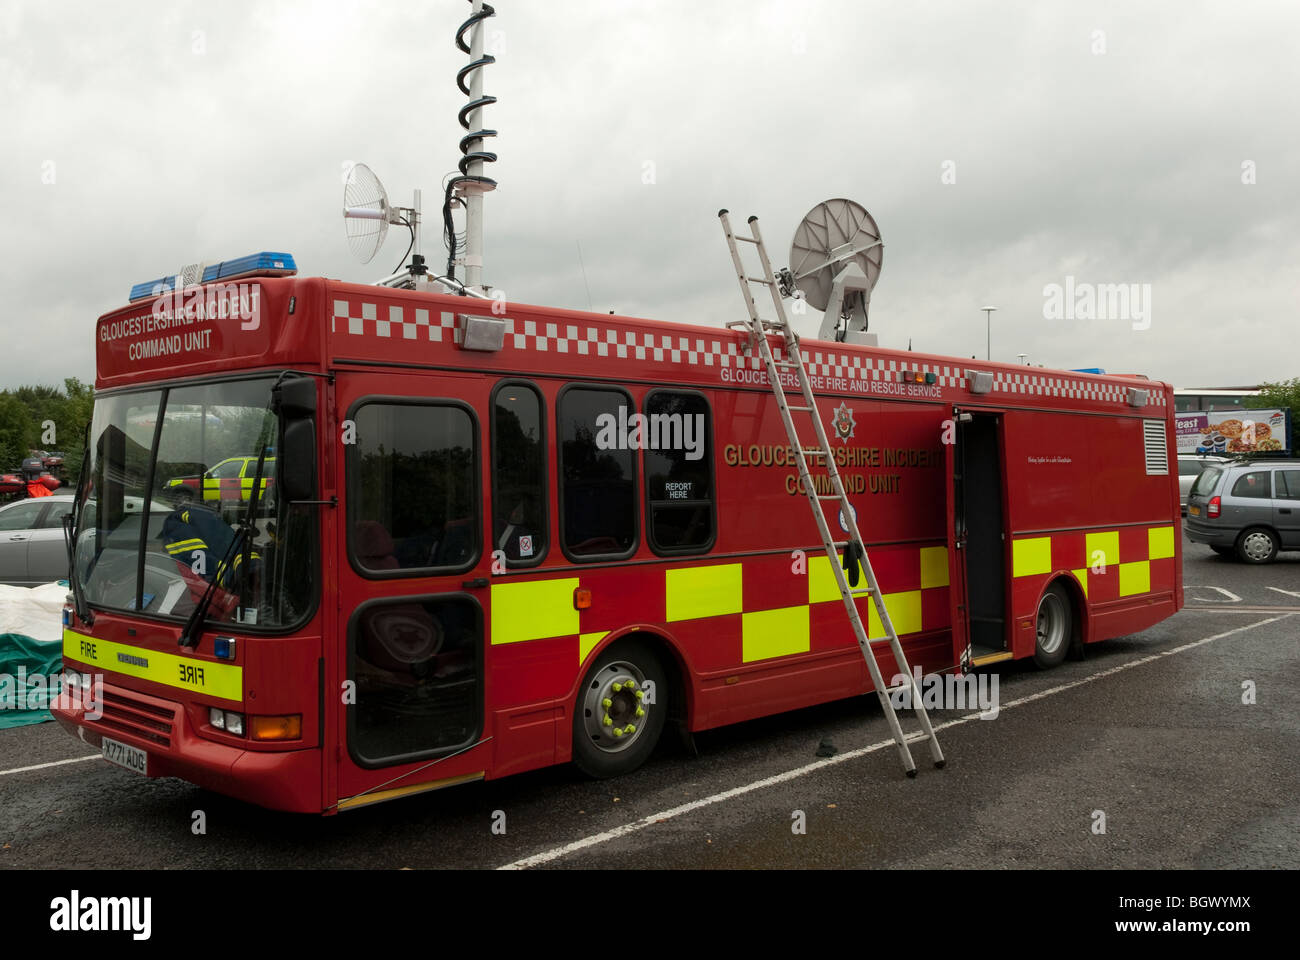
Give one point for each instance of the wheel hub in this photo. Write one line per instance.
(615, 711)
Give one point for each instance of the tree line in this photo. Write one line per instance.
(35, 418)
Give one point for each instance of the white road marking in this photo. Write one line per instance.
(1232, 597)
(52, 763)
(556, 853)
(1289, 593)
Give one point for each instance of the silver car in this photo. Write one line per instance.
(32, 549)
(1189, 468)
(1250, 509)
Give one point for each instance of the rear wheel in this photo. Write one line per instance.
(1257, 545)
(620, 711)
(1055, 626)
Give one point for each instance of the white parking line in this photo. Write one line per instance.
(52, 763)
(556, 853)
(1289, 593)
(1227, 593)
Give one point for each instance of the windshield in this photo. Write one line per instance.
(171, 475)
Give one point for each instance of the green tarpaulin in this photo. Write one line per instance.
(29, 679)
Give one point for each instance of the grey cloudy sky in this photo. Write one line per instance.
(177, 132)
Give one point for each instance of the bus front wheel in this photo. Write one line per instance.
(620, 712)
(1054, 625)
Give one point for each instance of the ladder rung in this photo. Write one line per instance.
(804, 409)
(916, 737)
(757, 279)
(746, 239)
(828, 496)
(814, 452)
(784, 363)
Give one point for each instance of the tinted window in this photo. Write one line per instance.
(1288, 484)
(416, 666)
(518, 474)
(597, 479)
(412, 492)
(678, 471)
(1207, 481)
(1254, 484)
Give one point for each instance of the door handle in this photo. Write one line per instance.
(1283, 509)
(478, 583)
(17, 539)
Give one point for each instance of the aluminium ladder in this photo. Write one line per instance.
(793, 360)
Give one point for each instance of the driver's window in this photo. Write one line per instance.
(227, 471)
(413, 502)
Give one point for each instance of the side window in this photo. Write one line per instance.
(228, 470)
(518, 474)
(597, 473)
(679, 472)
(1253, 484)
(54, 518)
(21, 517)
(412, 495)
(1288, 485)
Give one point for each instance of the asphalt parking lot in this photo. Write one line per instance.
(1148, 736)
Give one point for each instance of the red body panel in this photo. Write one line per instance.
(1072, 465)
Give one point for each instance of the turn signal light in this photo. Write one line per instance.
(581, 599)
(275, 728)
(1213, 508)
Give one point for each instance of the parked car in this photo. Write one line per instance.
(231, 479)
(32, 550)
(1189, 468)
(1247, 508)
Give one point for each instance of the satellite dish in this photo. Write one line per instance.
(835, 260)
(366, 213)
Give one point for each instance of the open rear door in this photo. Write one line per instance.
(956, 532)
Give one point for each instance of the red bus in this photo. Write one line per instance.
(464, 560)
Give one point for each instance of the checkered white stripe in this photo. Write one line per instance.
(708, 350)
(401, 323)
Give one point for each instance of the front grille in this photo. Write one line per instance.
(126, 712)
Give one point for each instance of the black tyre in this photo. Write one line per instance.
(1257, 545)
(1054, 627)
(1228, 552)
(617, 721)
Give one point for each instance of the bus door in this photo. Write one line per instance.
(413, 583)
(979, 595)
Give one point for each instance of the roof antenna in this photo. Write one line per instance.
(467, 189)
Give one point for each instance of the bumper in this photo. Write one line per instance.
(1210, 534)
(280, 780)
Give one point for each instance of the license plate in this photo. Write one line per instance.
(1194, 511)
(124, 755)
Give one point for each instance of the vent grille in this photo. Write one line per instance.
(1157, 449)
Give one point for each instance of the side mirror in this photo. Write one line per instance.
(295, 464)
(295, 398)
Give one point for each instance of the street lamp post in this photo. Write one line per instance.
(988, 332)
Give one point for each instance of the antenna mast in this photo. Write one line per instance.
(469, 187)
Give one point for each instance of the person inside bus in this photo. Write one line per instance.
(200, 542)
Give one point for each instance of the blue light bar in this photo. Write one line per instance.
(265, 264)
(253, 265)
(1097, 370)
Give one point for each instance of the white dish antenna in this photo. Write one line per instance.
(835, 260)
(366, 212)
